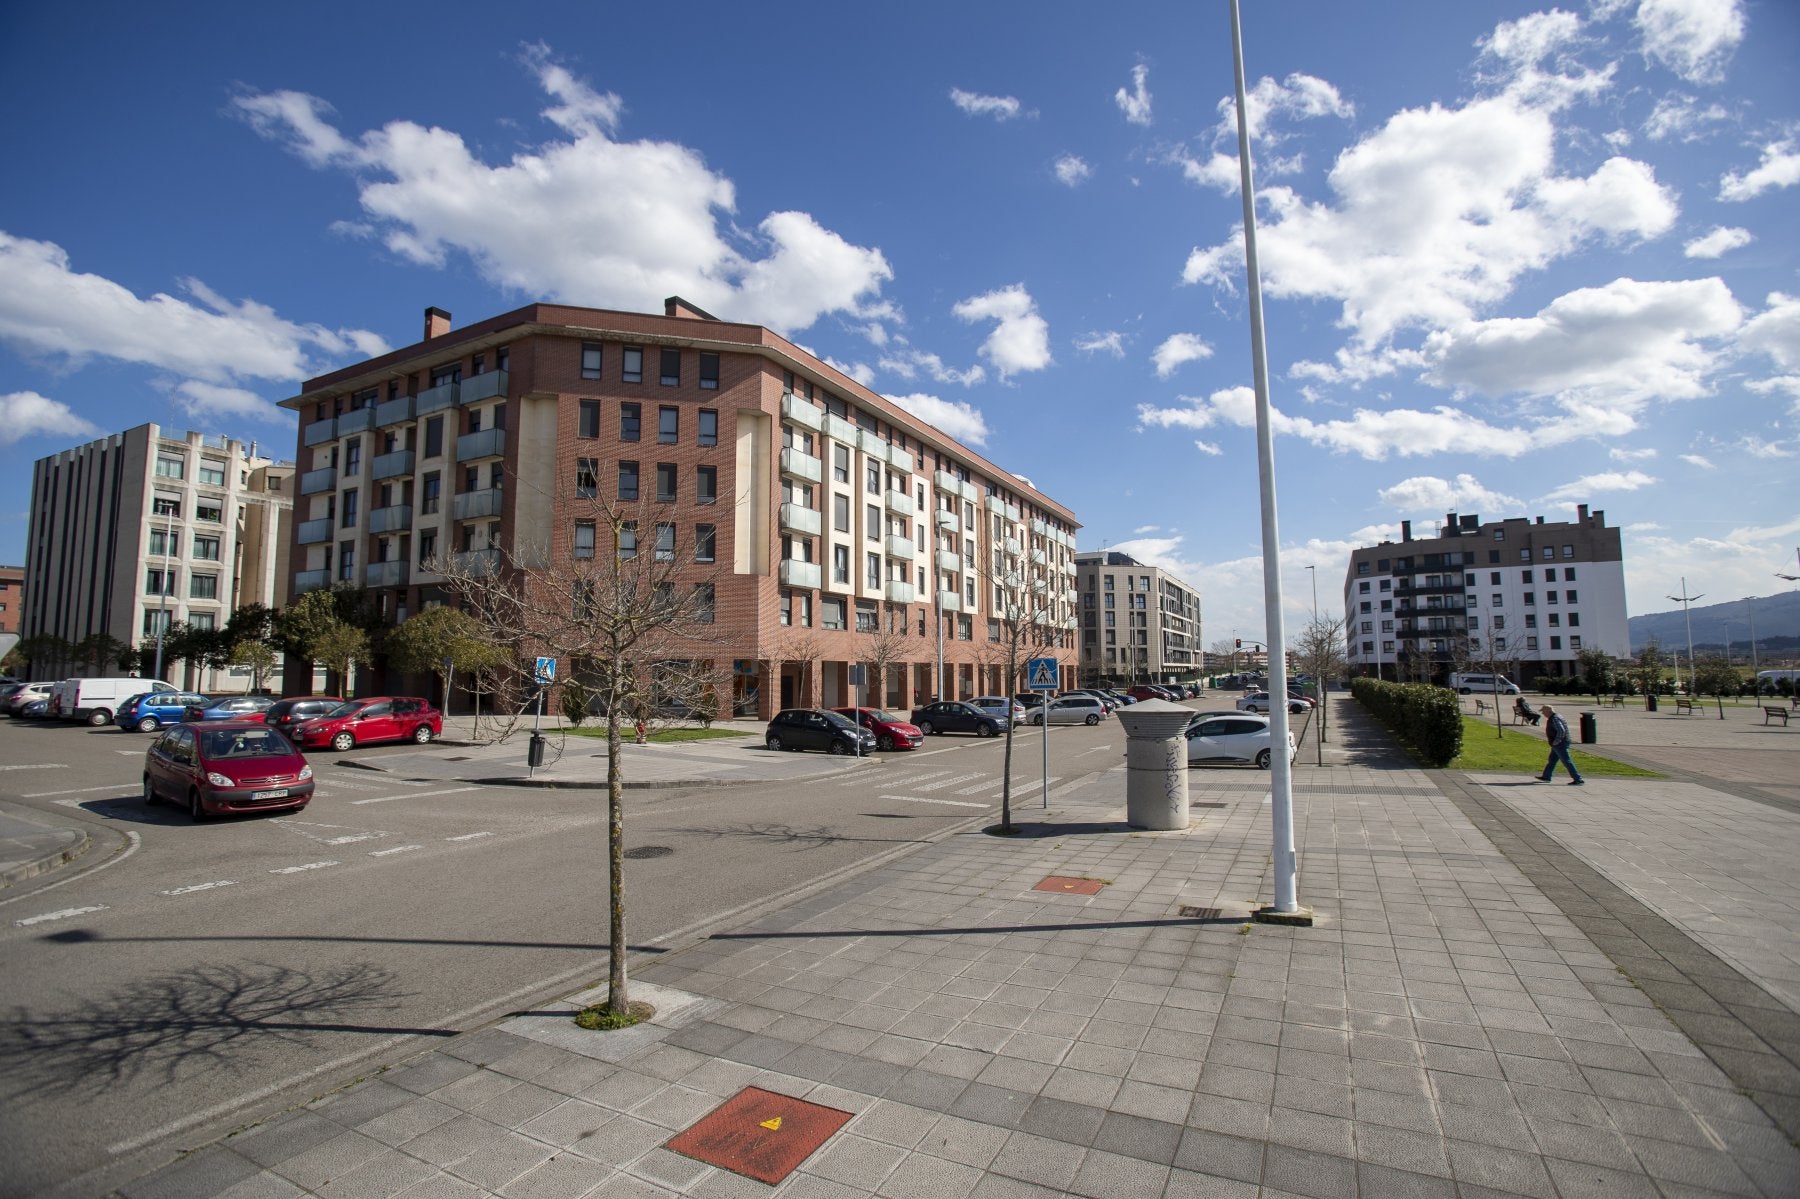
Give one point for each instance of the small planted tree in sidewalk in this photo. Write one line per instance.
(1026, 623)
(1320, 652)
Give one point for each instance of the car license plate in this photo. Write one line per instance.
(280, 793)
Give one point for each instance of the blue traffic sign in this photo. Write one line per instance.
(1040, 674)
(546, 670)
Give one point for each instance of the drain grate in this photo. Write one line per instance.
(1193, 913)
(649, 851)
(1208, 805)
(759, 1134)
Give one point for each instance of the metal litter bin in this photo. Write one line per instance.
(1650, 702)
(1589, 729)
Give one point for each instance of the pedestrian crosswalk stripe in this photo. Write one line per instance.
(954, 803)
(940, 784)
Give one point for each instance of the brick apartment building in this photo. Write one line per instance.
(827, 512)
(12, 603)
(1529, 595)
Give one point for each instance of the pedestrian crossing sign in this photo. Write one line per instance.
(1040, 674)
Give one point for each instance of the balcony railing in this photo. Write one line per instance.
(801, 519)
(839, 429)
(798, 464)
(435, 398)
(477, 563)
(473, 505)
(900, 547)
(489, 443)
(949, 561)
(320, 431)
(482, 387)
(948, 520)
(901, 457)
(394, 411)
(795, 573)
(359, 421)
(899, 501)
(798, 410)
(898, 592)
(385, 574)
(312, 532)
(949, 601)
(315, 481)
(311, 580)
(392, 466)
(1012, 546)
(394, 519)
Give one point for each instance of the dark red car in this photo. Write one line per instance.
(890, 731)
(226, 766)
(361, 721)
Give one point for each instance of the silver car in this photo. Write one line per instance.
(1001, 707)
(1070, 709)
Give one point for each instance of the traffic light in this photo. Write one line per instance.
(1240, 643)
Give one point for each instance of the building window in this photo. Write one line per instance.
(212, 474)
(347, 518)
(706, 485)
(584, 539)
(705, 538)
(668, 425)
(628, 479)
(832, 612)
(1569, 597)
(353, 456)
(709, 426)
(427, 546)
(631, 422)
(872, 571)
(169, 468)
(159, 506)
(872, 523)
(590, 359)
(166, 544)
(1525, 554)
(1575, 644)
(1530, 598)
(159, 582)
(631, 368)
(1531, 643)
(1549, 553)
(665, 542)
(1498, 599)
(665, 482)
(703, 603)
(868, 618)
(840, 463)
(1574, 620)
(872, 481)
(206, 549)
(840, 513)
(204, 586)
(588, 426)
(1549, 597)
(157, 621)
(1568, 551)
(709, 371)
(430, 490)
(840, 564)
(346, 560)
(211, 513)
(434, 436)
(671, 368)
(628, 539)
(1524, 576)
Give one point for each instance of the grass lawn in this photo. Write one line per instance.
(1522, 751)
(657, 736)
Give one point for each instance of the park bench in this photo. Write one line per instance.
(1613, 701)
(1772, 711)
(1684, 706)
(1522, 714)
(1481, 706)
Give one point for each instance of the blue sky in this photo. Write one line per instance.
(1516, 257)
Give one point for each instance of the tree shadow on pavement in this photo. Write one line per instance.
(170, 1026)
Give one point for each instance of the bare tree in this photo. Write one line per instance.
(884, 648)
(799, 644)
(1483, 652)
(1025, 618)
(1320, 649)
(631, 614)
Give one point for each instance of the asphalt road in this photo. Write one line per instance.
(181, 978)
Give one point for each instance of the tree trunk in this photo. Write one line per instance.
(618, 999)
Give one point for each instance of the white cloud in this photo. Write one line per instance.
(584, 218)
(1780, 167)
(1535, 60)
(1209, 448)
(28, 414)
(211, 402)
(1606, 481)
(1268, 104)
(1072, 170)
(49, 308)
(1111, 342)
(1775, 332)
(1699, 461)
(1692, 38)
(1177, 349)
(909, 364)
(1716, 244)
(1021, 339)
(1684, 118)
(1428, 493)
(954, 417)
(1143, 529)
(1135, 103)
(862, 372)
(1001, 108)
(1642, 454)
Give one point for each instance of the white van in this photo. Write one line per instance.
(95, 700)
(1471, 684)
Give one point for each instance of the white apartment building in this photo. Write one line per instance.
(1139, 623)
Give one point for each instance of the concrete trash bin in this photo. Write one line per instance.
(1156, 794)
(1589, 729)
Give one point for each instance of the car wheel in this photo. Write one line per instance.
(149, 791)
(925, 727)
(985, 730)
(98, 717)
(1093, 719)
(422, 734)
(773, 742)
(885, 742)
(343, 742)
(837, 749)
(196, 810)
(1263, 759)
(147, 725)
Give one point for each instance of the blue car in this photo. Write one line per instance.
(230, 707)
(147, 713)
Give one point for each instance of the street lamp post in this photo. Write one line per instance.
(1685, 599)
(162, 599)
(1315, 591)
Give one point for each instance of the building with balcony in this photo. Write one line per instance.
(1525, 595)
(825, 517)
(1139, 623)
(139, 530)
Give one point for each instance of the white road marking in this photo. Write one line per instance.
(129, 753)
(38, 766)
(348, 840)
(70, 803)
(468, 836)
(415, 795)
(298, 869)
(224, 882)
(942, 783)
(382, 853)
(955, 803)
(62, 915)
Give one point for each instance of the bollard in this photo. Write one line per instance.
(1156, 792)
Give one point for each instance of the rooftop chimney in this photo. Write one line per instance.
(676, 306)
(437, 323)
(1406, 530)
(1581, 513)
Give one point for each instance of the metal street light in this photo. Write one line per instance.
(1315, 590)
(1684, 599)
(162, 600)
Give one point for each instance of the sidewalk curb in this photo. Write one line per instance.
(48, 862)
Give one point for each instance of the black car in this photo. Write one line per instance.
(811, 728)
(950, 716)
(284, 714)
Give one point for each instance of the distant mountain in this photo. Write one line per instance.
(1777, 620)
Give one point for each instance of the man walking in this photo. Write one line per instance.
(1556, 732)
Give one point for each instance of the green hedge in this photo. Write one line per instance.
(1427, 719)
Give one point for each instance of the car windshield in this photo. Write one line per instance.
(245, 743)
(840, 721)
(345, 709)
(881, 717)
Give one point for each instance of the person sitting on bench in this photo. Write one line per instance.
(1524, 711)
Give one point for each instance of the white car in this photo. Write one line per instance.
(1002, 706)
(1070, 709)
(1235, 737)
(1258, 701)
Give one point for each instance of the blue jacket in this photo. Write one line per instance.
(1557, 731)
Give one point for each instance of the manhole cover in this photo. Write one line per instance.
(1070, 886)
(759, 1134)
(649, 851)
(1193, 913)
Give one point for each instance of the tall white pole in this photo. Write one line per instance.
(1281, 798)
(1685, 598)
(162, 601)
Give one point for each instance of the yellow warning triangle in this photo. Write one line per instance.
(773, 1124)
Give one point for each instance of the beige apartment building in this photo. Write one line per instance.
(1139, 623)
(823, 516)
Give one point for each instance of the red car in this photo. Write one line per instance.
(361, 721)
(890, 731)
(226, 766)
